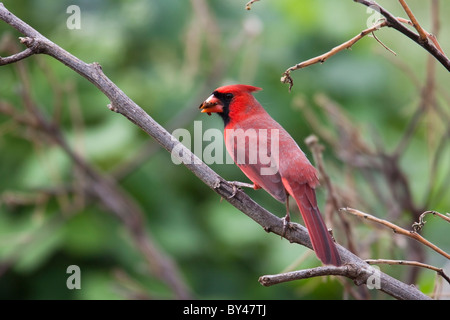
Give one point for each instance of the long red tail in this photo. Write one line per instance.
(321, 240)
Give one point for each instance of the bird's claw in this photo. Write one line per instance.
(235, 189)
(237, 186)
(286, 224)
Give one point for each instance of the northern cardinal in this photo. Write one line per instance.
(271, 159)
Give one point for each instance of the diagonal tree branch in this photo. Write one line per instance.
(124, 105)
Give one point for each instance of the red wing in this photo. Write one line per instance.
(271, 183)
(252, 151)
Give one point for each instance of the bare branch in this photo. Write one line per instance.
(439, 271)
(346, 271)
(432, 47)
(417, 226)
(398, 25)
(383, 45)
(286, 77)
(411, 234)
(360, 275)
(415, 23)
(248, 6)
(16, 57)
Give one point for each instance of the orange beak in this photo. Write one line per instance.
(211, 105)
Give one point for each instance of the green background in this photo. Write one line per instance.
(168, 56)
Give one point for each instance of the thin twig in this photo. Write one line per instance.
(359, 275)
(439, 271)
(423, 35)
(16, 57)
(417, 226)
(430, 36)
(249, 4)
(383, 45)
(435, 24)
(397, 229)
(390, 21)
(398, 24)
(270, 280)
(286, 77)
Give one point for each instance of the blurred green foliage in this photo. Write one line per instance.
(168, 57)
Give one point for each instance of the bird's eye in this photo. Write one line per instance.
(229, 95)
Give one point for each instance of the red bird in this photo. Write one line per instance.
(271, 159)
